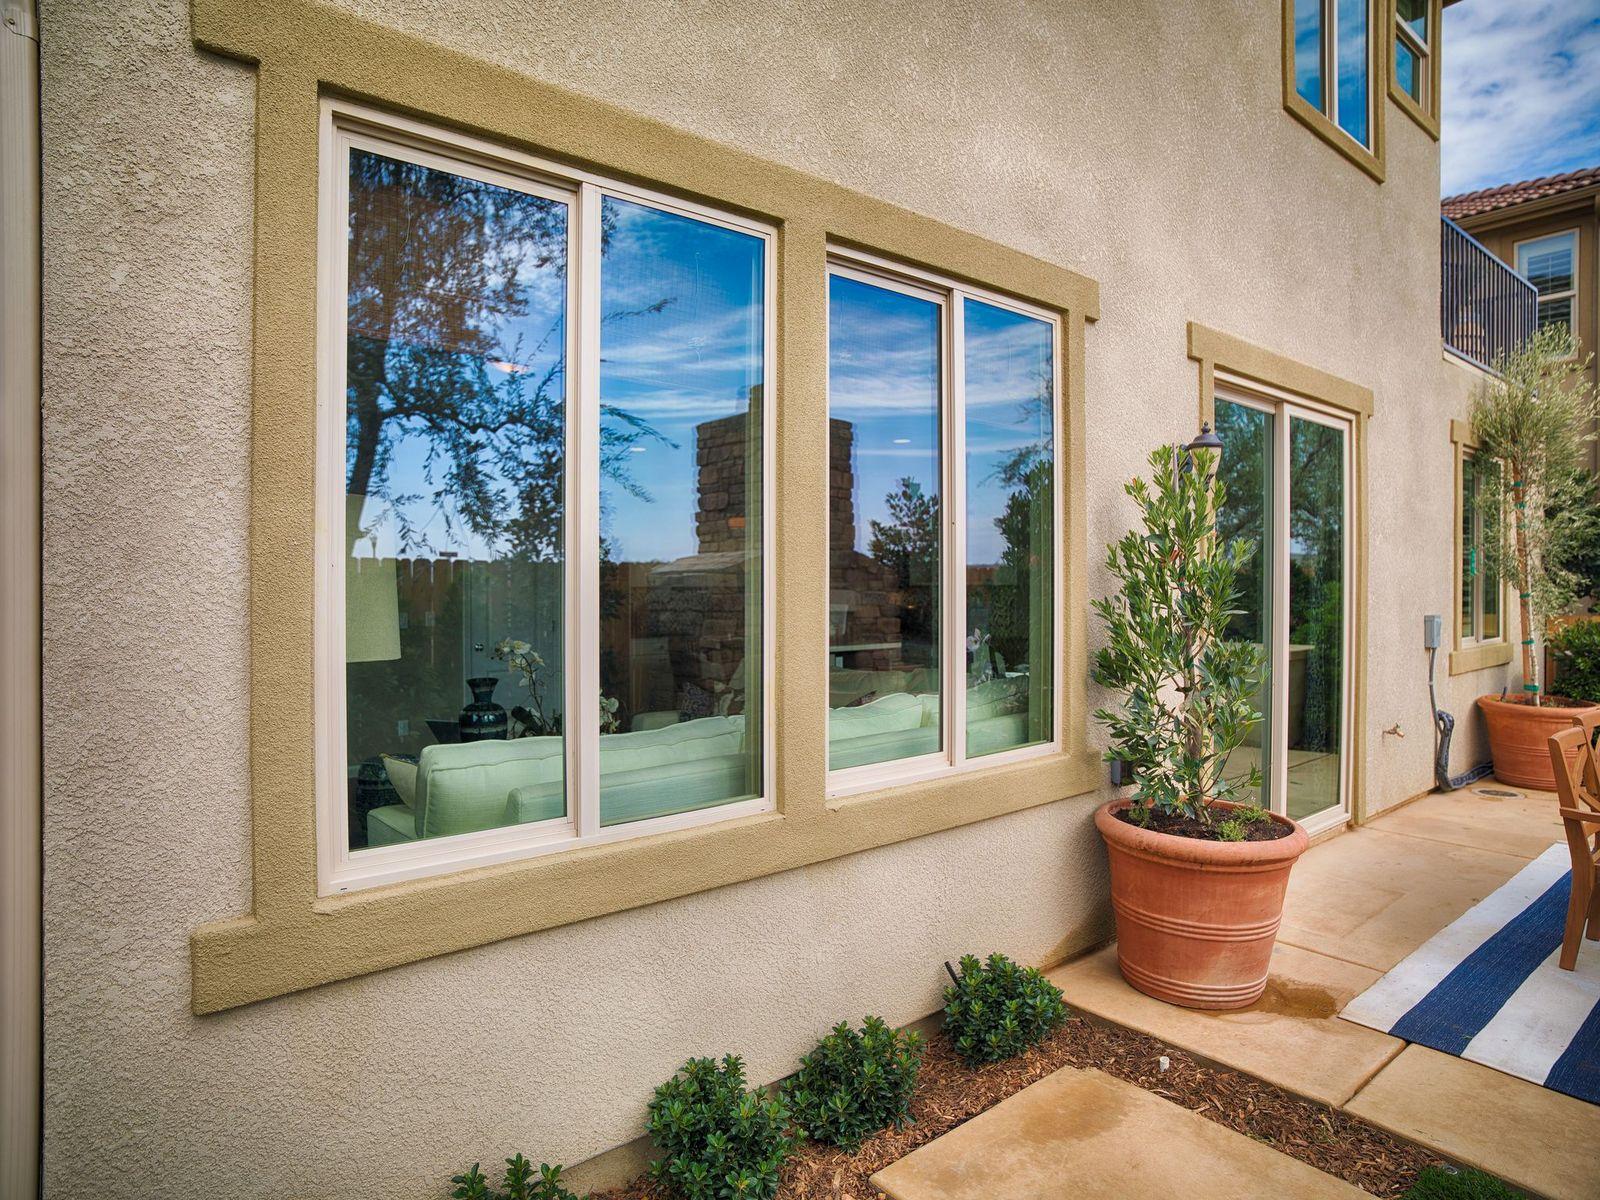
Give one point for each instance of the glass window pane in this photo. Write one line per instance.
(1010, 402)
(1556, 312)
(1548, 262)
(1315, 667)
(455, 419)
(1407, 69)
(1469, 545)
(682, 347)
(1414, 15)
(884, 385)
(1246, 473)
(1308, 52)
(1352, 68)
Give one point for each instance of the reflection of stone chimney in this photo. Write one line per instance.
(719, 455)
(841, 485)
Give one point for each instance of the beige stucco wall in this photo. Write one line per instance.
(1146, 149)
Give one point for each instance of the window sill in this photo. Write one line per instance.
(1370, 161)
(1479, 658)
(1408, 104)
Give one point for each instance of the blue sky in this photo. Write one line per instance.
(1521, 90)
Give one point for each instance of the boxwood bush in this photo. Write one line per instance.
(719, 1140)
(855, 1083)
(996, 1009)
(1575, 654)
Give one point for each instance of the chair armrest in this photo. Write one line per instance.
(1582, 817)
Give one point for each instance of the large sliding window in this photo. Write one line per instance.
(543, 505)
(943, 554)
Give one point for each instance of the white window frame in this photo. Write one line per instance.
(1571, 293)
(1470, 631)
(345, 125)
(1419, 47)
(1330, 71)
(950, 294)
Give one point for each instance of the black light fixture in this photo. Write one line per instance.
(1206, 439)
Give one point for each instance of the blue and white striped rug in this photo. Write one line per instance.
(1487, 988)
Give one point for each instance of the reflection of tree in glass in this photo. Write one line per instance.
(908, 543)
(1243, 516)
(440, 269)
(1316, 610)
(1025, 525)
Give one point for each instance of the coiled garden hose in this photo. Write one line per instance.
(1444, 727)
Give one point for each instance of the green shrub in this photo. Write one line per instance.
(1234, 829)
(996, 1009)
(517, 1184)
(1441, 1183)
(854, 1084)
(1575, 653)
(719, 1141)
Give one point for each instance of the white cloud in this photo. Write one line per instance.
(1521, 90)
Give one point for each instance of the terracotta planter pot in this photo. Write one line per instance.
(1519, 740)
(1196, 920)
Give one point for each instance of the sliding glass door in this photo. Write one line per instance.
(1287, 471)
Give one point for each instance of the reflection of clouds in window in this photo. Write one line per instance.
(681, 344)
(1352, 60)
(1009, 389)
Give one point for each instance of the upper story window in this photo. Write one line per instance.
(1411, 48)
(1480, 589)
(1330, 67)
(1551, 265)
(943, 551)
(544, 442)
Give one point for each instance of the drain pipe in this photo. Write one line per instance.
(1444, 724)
(21, 1027)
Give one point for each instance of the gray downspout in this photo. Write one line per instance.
(21, 780)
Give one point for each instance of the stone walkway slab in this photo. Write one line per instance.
(1530, 1136)
(1084, 1135)
(1372, 897)
(1291, 1037)
(1525, 824)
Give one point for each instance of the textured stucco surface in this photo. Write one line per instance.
(1186, 192)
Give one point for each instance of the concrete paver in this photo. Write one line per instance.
(1291, 1037)
(1085, 1135)
(1530, 1136)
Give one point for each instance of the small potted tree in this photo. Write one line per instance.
(1533, 425)
(1198, 871)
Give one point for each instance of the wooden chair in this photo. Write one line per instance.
(1578, 792)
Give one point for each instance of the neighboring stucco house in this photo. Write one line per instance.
(1548, 230)
(567, 530)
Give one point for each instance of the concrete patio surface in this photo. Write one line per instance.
(1084, 1134)
(1359, 903)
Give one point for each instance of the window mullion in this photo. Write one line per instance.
(582, 724)
(1330, 59)
(955, 485)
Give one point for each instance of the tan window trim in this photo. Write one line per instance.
(1216, 351)
(1467, 656)
(1369, 160)
(291, 938)
(1424, 114)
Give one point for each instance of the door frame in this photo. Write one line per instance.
(1284, 406)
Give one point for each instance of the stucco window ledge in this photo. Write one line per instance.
(1479, 658)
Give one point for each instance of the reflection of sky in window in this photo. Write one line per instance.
(694, 360)
(1308, 50)
(1352, 19)
(1009, 394)
(531, 346)
(883, 378)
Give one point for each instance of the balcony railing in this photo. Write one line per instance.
(1485, 308)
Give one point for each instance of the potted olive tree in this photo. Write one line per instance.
(1533, 425)
(1198, 871)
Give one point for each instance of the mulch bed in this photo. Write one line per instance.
(949, 1093)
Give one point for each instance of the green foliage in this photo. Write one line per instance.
(1441, 1183)
(1234, 829)
(1575, 651)
(719, 1141)
(518, 1183)
(997, 1009)
(854, 1084)
(1534, 423)
(1189, 690)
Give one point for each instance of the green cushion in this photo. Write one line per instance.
(391, 825)
(403, 776)
(462, 786)
(887, 714)
(882, 747)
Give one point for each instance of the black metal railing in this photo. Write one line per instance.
(1485, 308)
